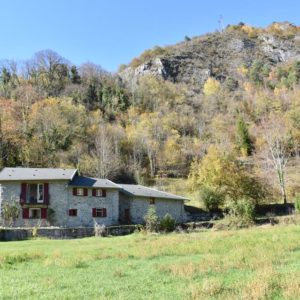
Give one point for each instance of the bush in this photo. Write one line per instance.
(10, 212)
(99, 229)
(241, 213)
(297, 203)
(167, 223)
(211, 198)
(151, 219)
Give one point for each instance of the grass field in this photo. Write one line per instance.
(256, 263)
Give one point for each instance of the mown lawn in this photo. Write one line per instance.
(256, 263)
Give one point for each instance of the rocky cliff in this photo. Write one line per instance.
(218, 54)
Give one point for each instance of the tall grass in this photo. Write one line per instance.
(255, 263)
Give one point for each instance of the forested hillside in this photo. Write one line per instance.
(221, 109)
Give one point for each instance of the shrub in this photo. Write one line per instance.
(10, 212)
(241, 213)
(99, 229)
(297, 203)
(211, 198)
(167, 223)
(151, 219)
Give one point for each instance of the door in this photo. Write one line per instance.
(127, 215)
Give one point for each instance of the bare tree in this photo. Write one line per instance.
(278, 142)
(105, 154)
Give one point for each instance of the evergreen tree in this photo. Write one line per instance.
(243, 140)
(75, 77)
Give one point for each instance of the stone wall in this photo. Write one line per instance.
(124, 203)
(61, 199)
(84, 206)
(140, 205)
(17, 234)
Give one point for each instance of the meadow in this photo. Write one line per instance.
(256, 263)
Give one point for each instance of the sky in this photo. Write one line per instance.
(113, 32)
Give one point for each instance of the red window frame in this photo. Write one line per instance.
(75, 192)
(99, 212)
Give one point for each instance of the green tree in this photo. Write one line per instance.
(243, 140)
(224, 174)
(75, 77)
(151, 219)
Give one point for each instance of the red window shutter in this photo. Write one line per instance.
(74, 191)
(46, 193)
(23, 193)
(94, 192)
(94, 213)
(43, 213)
(103, 193)
(25, 213)
(104, 212)
(85, 192)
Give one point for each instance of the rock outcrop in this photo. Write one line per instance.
(217, 54)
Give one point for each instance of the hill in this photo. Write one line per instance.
(218, 54)
(224, 102)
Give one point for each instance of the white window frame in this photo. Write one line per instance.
(38, 200)
(79, 192)
(38, 185)
(99, 193)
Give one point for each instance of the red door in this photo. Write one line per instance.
(127, 215)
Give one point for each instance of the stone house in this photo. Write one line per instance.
(61, 197)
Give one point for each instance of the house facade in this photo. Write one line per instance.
(60, 197)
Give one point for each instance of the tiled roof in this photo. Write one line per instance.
(11, 174)
(83, 181)
(143, 191)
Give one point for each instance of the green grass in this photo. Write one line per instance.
(256, 263)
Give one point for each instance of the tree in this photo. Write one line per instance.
(243, 140)
(211, 87)
(278, 142)
(212, 198)
(223, 174)
(49, 72)
(151, 219)
(10, 212)
(54, 125)
(103, 160)
(75, 77)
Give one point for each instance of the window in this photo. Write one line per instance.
(152, 201)
(99, 212)
(35, 193)
(80, 192)
(99, 193)
(34, 213)
(73, 212)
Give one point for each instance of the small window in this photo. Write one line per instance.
(99, 192)
(73, 212)
(79, 192)
(100, 212)
(152, 201)
(34, 213)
